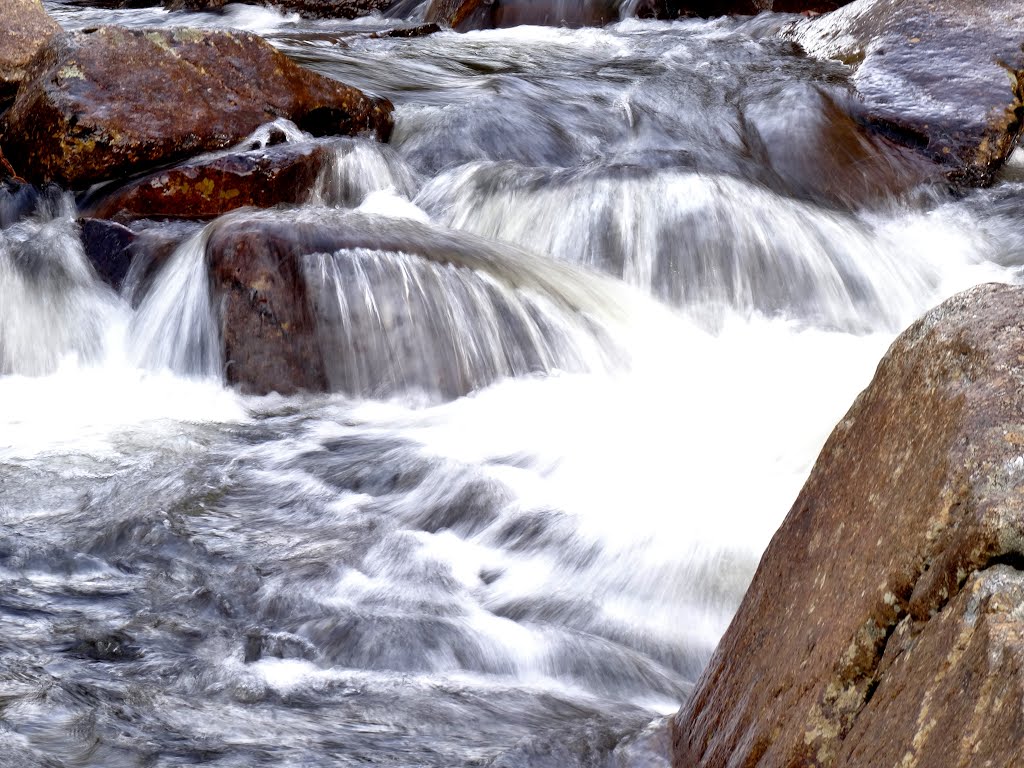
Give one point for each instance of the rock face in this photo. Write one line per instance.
(268, 333)
(210, 186)
(885, 623)
(465, 15)
(26, 27)
(317, 9)
(108, 102)
(942, 77)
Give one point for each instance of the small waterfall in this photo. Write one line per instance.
(705, 243)
(359, 168)
(52, 306)
(392, 322)
(175, 327)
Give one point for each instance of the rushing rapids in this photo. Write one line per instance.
(610, 240)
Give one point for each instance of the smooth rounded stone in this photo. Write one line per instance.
(104, 103)
(883, 621)
(207, 187)
(904, 56)
(25, 29)
(324, 299)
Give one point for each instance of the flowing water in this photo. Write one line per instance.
(625, 243)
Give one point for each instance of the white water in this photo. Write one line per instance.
(444, 581)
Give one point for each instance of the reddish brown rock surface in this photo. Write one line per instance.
(268, 332)
(25, 28)
(110, 102)
(210, 186)
(885, 623)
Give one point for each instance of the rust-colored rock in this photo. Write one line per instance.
(206, 187)
(268, 332)
(882, 626)
(942, 77)
(112, 101)
(25, 29)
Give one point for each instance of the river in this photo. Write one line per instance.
(390, 575)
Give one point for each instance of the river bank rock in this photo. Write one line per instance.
(206, 187)
(25, 29)
(885, 623)
(942, 77)
(104, 103)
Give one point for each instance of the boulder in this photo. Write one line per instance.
(942, 77)
(316, 9)
(108, 102)
(320, 299)
(465, 15)
(206, 187)
(26, 28)
(885, 623)
(268, 331)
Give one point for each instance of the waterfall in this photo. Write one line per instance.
(393, 322)
(52, 307)
(175, 327)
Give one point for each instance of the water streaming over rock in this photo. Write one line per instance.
(609, 239)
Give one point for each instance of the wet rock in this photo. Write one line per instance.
(883, 623)
(268, 332)
(25, 29)
(904, 54)
(109, 102)
(315, 9)
(420, 30)
(108, 247)
(316, 299)
(465, 15)
(206, 187)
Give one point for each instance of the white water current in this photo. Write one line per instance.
(397, 575)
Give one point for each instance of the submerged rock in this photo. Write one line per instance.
(885, 622)
(942, 77)
(104, 103)
(25, 29)
(206, 187)
(325, 300)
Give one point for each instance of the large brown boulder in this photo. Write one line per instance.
(885, 623)
(208, 186)
(942, 77)
(26, 27)
(108, 102)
